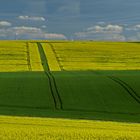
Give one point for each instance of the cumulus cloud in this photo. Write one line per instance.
(133, 27)
(106, 29)
(5, 24)
(24, 29)
(137, 26)
(24, 32)
(32, 18)
(95, 29)
(54, 36)
(102, 32)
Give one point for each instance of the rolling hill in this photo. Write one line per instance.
(55, 76)
(75, 80)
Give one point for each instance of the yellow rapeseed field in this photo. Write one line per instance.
(19, 56)
(24, 128)
(97, 55)
(13, 57)
(35, 57)
(24, 56)
(52, 60)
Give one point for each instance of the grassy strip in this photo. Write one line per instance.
(25, 90)
(88, 91)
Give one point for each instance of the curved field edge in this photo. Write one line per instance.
(49, 113)
(66, 129)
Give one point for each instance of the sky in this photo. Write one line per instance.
(115, 20)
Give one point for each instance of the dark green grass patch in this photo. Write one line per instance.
(134, 81)
(84, 95)
(25, 90)
(88, 91)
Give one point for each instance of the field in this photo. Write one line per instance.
(61, 90)
(95, 55)
(64, 129)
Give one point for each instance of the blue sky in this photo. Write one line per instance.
(117, 20)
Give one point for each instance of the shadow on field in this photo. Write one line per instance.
(75, 95)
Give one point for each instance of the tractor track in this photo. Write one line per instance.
(56, 88)
(58, 61)
(127, 88)
(53, 87)
(28, 57)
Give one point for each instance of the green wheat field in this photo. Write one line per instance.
(69, 90)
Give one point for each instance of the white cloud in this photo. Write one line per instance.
(5, 24)
(95, 29)
(133, 28)
(104, 32)
(114, 28)
(106, 29)
(137, 26)
(24, 29)
(54, 36)
(24, 32)
(32, 18)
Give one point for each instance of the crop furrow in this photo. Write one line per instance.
(127, 87)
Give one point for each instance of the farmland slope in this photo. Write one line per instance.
(70, 79)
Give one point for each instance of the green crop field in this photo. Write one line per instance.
(69, 90)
